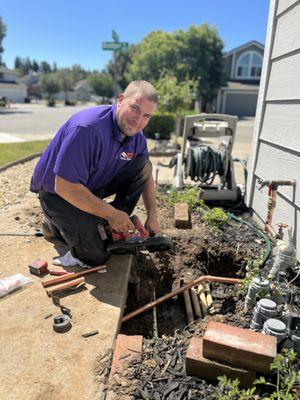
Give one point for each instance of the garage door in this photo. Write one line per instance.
(241, 104)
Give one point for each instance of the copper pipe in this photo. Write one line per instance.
(206, 278)
(270, 230)
(273, 187)
(69, 277)
(64, 286)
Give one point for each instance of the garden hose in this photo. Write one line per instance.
(203, 164)
(260, 233)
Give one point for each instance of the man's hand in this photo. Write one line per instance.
(151, 225)
(120, 221)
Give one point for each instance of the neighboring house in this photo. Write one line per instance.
(11, 86)
(275, 153)
(243, 66)
(84, 90)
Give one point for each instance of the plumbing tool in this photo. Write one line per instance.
(130, 243)
(38, 268)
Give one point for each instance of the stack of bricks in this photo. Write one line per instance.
(231, 351)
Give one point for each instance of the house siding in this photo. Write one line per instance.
(276, 141)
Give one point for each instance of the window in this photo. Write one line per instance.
(249, 65)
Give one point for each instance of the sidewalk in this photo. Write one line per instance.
(40, 363)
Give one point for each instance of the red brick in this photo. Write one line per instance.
(200, 366)
(182, 216)
(239, 347)
(126, 348)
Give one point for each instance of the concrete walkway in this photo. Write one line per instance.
(39, 363)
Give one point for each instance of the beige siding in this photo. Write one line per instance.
(287, 37)
(281, 125)
(276, 144)
(284, 4)
(284, 81)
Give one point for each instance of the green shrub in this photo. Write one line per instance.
(3, 102)
(189, 195)
(216, 217)
(70, 103)
(162, 124)
(51, 103)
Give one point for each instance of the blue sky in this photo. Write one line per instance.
(70, 32)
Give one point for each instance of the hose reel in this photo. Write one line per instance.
(203, 163)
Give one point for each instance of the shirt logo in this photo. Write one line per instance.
(127, 156)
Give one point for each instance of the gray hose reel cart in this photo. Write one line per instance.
(205, 156)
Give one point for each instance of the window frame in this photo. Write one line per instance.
(250, 66)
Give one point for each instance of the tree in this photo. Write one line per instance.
(50, 85)
(45, 67)
(175, 96)
(18, 63)
(78, 73)
(203, 56)
(2, 36)
(65, 79)
(195, 54)
(118, 67)
(102, 84)
(35, 66)
(157, 52)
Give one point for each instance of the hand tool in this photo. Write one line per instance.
(131, 242)
(64, 286)
(36, 234)
(71, 276)
(38, 268)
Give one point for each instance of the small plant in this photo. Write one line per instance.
(228, 389)
(215, 217)
(284, 389)
(286, 376)
(252, 267)
(188, 195)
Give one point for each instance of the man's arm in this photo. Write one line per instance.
(81, 197)
(149, 199)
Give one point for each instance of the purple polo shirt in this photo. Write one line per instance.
(88, 149)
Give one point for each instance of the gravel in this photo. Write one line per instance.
(14, 183)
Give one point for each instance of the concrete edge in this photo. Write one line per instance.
(20, 161)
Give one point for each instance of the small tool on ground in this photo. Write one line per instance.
(36, 234)
(130, 243)
(62, 323)
(38, 268)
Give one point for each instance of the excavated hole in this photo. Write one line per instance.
(162, 273)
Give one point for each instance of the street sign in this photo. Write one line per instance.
(114, 45)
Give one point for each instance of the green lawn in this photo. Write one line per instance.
(10, 152)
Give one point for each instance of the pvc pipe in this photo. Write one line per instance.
(196, 304)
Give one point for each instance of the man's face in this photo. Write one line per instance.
(133, 113)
